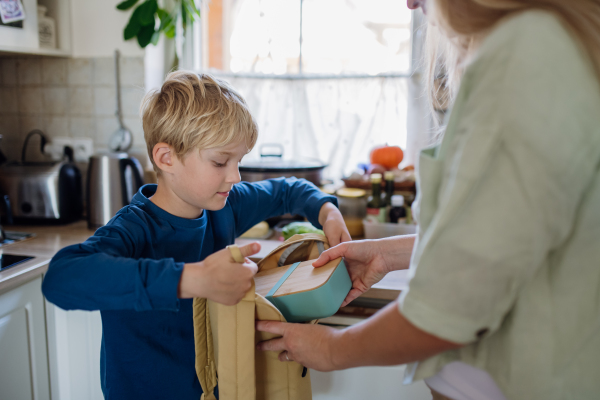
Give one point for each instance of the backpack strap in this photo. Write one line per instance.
(235, 347)
(203, 343)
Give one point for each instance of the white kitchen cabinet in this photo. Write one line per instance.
(74, 339)
(23, 351)
(25, 40)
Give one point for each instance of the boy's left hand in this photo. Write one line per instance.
(334, 226)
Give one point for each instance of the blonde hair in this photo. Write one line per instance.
(195, 111)
(461, 24)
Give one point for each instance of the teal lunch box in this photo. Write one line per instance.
(303, 293)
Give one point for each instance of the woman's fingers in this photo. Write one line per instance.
(271, 345)
(331, 254)
(271, 327)
(353, 294)
(285, 356)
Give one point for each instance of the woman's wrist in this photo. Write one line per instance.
(401, 252)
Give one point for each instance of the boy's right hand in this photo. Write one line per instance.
(219, 278)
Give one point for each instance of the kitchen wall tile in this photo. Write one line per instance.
(79, 71)
(29, 71)
(27, 123)
(82, 127)
(9, 128)
(131, 98)
(12, 148)
(135, 127)
(30, 100)
(105, 102)
(8, 69)
(81, 101)
(132, 71)
(56, 126)
(105, 128)
(104, 72)
(9, 100)
(54, 71)
(56, 100)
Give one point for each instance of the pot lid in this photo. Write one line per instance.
(273, 161)
(269, 164)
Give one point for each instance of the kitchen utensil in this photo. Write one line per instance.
(273, 165)
(121, 140)
(303, 293)
(113, 179)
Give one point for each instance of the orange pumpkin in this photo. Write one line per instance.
(388, 156)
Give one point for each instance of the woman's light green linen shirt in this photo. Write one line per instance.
(508, 253)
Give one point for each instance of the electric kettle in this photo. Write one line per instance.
(112, 181)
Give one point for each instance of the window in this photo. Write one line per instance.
(327, 79)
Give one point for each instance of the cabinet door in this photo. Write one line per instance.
(23, 353)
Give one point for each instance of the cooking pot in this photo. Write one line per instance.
(272, 165)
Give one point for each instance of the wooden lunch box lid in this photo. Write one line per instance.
(302, 292)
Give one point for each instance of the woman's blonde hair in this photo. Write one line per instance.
(195, 111)
(459, 25)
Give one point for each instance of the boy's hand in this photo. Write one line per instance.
(219, 278)
(333, 223)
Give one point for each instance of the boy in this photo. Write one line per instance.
(144, 267)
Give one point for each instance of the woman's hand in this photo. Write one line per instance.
(333, 223)
(368, 261)
(309, 345)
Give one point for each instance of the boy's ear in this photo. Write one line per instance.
(163, 156)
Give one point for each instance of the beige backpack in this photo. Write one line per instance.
(225, 338)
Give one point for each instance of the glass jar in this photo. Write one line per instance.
(353, 206)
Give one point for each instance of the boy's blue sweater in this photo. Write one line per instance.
(130, 270)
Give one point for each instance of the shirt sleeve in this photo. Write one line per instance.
(254, 202)
(517, 167)
(103, 274)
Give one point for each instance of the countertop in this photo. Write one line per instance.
(50, 239)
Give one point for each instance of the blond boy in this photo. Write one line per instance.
(144, 267)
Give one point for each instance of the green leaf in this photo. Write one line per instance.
(145, 35)
(192, 10)
(184, 17)
(155, 38)
(162, 14)
(132, 28)
(126, 5)
(166, 19)
(170, 31)
(146, 12)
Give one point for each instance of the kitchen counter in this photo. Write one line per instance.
(50, 239)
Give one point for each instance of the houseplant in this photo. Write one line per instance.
(142, 23)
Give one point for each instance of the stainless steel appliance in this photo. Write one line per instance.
(273, 165)
(112, 180)
(43, 191)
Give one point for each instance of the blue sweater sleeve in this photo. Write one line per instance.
(257, 201)
(103, 273)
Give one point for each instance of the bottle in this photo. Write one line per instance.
(398, 211)
(375, 210)
(46, 29)
(389, 192)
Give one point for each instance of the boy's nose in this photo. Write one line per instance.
(233, 177)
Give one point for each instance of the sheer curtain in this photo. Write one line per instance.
(335, 120)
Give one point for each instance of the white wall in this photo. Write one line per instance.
(97, 29)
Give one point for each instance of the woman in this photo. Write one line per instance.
(505, 277)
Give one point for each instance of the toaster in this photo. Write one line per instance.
(42, 191)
